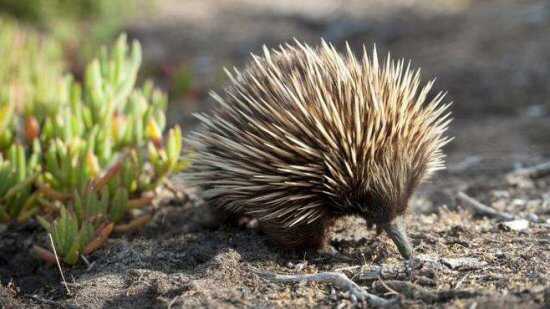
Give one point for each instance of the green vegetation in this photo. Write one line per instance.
(43, 11)
(84, 159)
(81, 26)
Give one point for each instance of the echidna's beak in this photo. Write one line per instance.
(396, 231)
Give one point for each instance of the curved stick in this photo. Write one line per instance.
(339, 280)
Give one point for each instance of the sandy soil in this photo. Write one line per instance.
(492, 57)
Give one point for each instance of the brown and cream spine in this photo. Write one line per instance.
(305, 135)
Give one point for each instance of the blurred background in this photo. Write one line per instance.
(491, 56)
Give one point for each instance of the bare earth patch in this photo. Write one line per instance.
(460, 260)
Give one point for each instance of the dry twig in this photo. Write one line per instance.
(339, 280)
(533, 172)
(390, 290)
(481, 209)
(89, 265)
(413, 291)
(59, 265)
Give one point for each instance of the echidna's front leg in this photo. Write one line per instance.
(218, 216)
(314, 236)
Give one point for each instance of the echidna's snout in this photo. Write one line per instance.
(397, 232)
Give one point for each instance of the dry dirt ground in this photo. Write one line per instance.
(492, 57)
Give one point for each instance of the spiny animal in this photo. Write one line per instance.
(303, 136)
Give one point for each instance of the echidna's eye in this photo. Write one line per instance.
(361, 207)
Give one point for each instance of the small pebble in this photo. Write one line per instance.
(463, 263)
(518, 202)
(500, 194)
(534, 218)
(515, 225)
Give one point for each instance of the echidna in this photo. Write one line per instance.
(306, 135)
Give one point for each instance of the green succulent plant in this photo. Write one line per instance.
(83, 158)
(17, 174)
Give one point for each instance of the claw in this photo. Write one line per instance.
(331, 252)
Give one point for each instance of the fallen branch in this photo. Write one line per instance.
(413, 291)
(533, 172)
(481, 209)
(464, 165)
(337, 279)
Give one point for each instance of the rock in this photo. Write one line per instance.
(515, 225)
(534, 218)
(463, 263)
